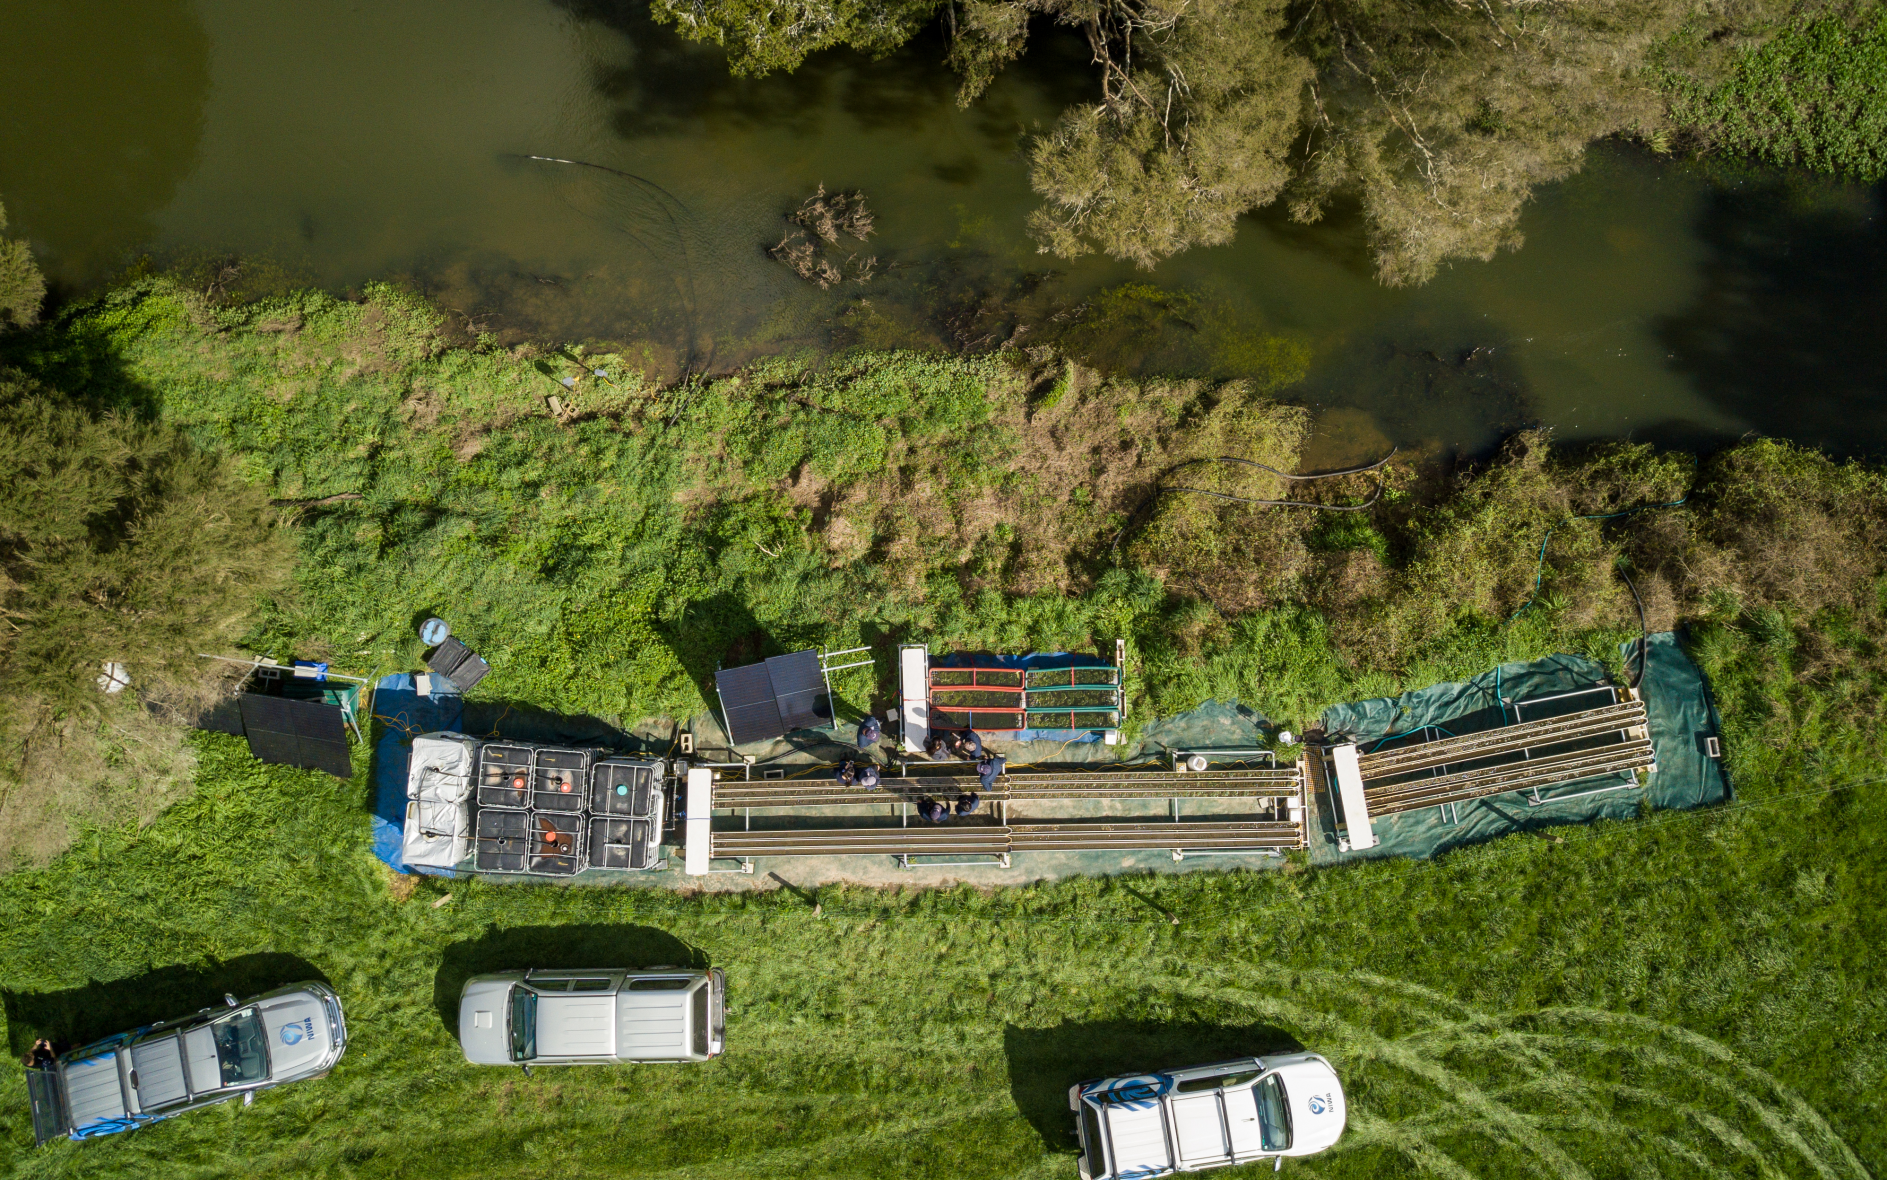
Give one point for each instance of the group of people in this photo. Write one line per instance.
(962, 745)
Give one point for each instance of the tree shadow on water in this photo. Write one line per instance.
(554, 948)
(98, 1008)
(1788, 330)
(1045, 1062)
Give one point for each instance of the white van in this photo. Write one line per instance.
(592, 1017)
(1209, 1116)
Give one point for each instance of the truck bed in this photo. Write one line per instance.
(94, 1092)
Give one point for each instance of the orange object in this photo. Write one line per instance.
(517, 784)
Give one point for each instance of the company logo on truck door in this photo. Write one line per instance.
(1319, 1103)
(294, 1033)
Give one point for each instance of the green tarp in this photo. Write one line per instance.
(1676, 703)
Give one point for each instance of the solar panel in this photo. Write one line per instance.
(458, 663)
(747, 700)
(799, 689)
(306, 734)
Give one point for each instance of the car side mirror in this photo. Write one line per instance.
(1277, 1165)
(249, 1098)
(229, 999)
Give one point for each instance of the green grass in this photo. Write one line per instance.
(1691, 994)
(1811, 95)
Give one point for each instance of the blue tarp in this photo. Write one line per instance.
(398, 706)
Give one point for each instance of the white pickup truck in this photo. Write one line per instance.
(592, 1017)
(1210, 1116)
(163, 1070)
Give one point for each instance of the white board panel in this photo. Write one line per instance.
(1350, 792)
(699, 850)
(914, 696)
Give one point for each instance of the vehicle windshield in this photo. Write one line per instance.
(523, 1024)
(699, 1014)
(242, 1051)
(1274, 1116)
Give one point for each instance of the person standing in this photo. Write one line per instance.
(870, 732)
(990, 769)
(967, 745)
(967, 804)
(930, 809)
(868, 776)
(848, 773)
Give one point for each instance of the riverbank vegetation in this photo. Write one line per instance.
(1684, 994)
(22, 287)
(607, 543)
(1439, 121)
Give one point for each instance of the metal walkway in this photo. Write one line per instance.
(1003, 832)
(1529, 756)
(965, 838)
(1283, 783)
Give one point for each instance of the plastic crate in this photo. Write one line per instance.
(625, 789)
(503, 839)
(499, 768)
(556, 844)
(560, 779)
(621, 843)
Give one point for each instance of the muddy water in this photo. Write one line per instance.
(340, 141)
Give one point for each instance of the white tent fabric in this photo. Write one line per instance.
(439, 800)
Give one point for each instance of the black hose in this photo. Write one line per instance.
(1157, 492)
(1373, 497)
(1644, 629)
(1284, 474)
(681, 239)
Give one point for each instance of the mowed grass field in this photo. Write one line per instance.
(1693, 994)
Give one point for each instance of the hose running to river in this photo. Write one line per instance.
(1156, 493)
(664, 200)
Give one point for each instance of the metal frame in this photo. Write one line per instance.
(826, 669)
(349, 715)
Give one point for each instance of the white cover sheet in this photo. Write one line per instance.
(439, 800)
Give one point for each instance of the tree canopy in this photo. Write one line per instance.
(1439, 120)
(22, 288)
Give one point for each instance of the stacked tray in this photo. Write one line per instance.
(625, 813)
(555, 811)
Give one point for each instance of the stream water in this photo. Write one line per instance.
(339, 141)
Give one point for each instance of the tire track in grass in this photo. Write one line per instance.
(1798, 1106)
(1543, 1059)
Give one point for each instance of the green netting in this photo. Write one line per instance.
(1683, 720)
(974, 698)
(1677, 707)
(1072, 698)
(1215, 725)
(1064, 677)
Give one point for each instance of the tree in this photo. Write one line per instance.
(761, 36)
(1200, 103)
(1440, 119)
(120, 541)
(21, 285)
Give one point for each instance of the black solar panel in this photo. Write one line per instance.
(799, 689)
(747, 700)
(458, 663)
(306, 734)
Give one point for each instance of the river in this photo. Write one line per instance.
(335, 142)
